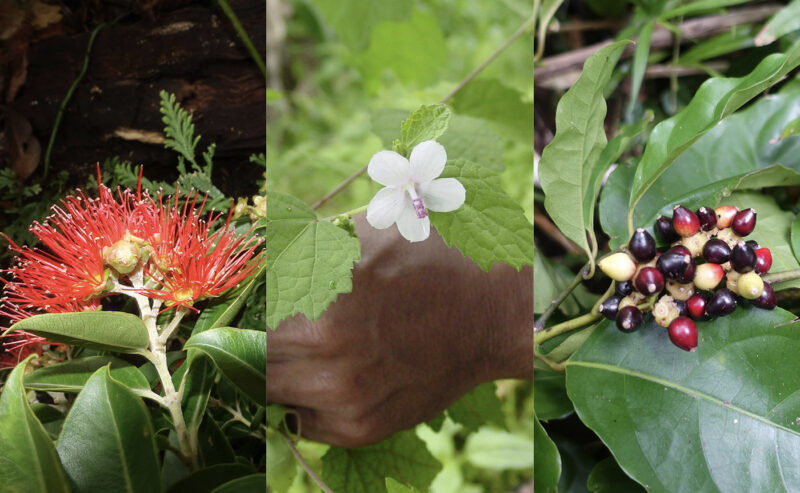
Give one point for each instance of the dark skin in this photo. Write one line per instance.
(422, 326)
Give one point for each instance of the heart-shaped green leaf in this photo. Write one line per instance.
(240, 354)
(107, 442)
(72, 375)
(28, 460)
(112, 331)
(722, 418)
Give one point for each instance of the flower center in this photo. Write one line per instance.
(416, 201)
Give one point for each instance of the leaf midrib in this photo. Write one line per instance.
(680, 388)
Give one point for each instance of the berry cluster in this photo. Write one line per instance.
(707, 251)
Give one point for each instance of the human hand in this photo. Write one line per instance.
(422, 326)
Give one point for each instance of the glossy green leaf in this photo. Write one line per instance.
(791, 128)
(546, 460)
(72, 375)
(795, 237)
(240, 354)
(199, 380)
(113, 331)
(752, 159)
(490, 227)
(213, 446)
(28, 460)
(722, 418)
(780, 24)
(498, 450)
(566, 165)
(354, 20)
(550, 280)
(734, 39)
(224, 311)
(640, 58)
(716, 99)
(698, 7)
(254, 483)
(426, 123)
(607, 477)
(309, 261)
(107, 442)
(478, 407)
(402, 456)
(549, 393)
(281, 464)
(205, 480)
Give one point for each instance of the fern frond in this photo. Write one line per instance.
(179, 129)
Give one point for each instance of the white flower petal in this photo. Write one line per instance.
(442, 195)
(389, 168)
(427, 161)
(410, 226)
(385, 207)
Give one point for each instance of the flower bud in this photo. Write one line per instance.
(123, 256)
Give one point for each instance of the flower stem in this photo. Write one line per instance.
(564, 327)
(313, 475)
(352, 212)
(539, 324)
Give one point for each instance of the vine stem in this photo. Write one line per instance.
(248, 43)
(313, 475)
(538, 326)
(519, 32)
(352, 212)
(564, 327)
(65, 101)
(789, 275)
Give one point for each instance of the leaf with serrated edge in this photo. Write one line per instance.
(566, 165)
(478, 407)
(309, 262)
(490, 227)
(402, 456)
(28, 460)
(426, 123)
(721, 418)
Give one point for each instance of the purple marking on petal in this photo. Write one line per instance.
(421, 212)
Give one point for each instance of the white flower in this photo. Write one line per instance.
(412, 189)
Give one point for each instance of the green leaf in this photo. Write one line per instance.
(354, 20)
(402, 456)
(107, 441)
(209, 478)
(28, 460)
(681, 421)
(490, 227)
(112, 331)
(567, 163)
(413, 50)
(499, 450)
(478, 407)
(223, 312)
(72, 375)
(498, 104)
(640, 57)
(698, 7)
(791, 128)
(254, 483)
(546, 460)
(782, 23)
(212, 444)
(393, 486)
(199, 380)
(550, 280)
(607, 477)
(795, 237)
(281, 464)
(696, 177)
(735, 39)
(427, 123)
(309, 261)
(716, 99)
(240, 354)
(549, 393)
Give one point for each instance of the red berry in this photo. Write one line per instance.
(767, 299)
(685, 222)
(725, 215)
(763, 260)
(642, 246)
(696, 305)
(683, 333)
(649, 281)
(629, 318)
(707, 217)
(744, 222)
(665, 230)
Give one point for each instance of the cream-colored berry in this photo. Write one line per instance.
(618, 266)
(665, 311)
(750, 285)
(680, 291)
(732, 281)
(695, 243)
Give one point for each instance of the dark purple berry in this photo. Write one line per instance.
(609, 307)
(642, 246)
(665, 230)
(753, 244)
(688, 274)
(683, 333)
(681, 249)
(696, 306)
(743, 258)
(683, 309)
(716, 251)
(744, 222)
(707, 217)
(684, 221)
(673, 264)
(623, 288)
(767, 299)
(722, 303)
(629, 318)
(649, 281)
